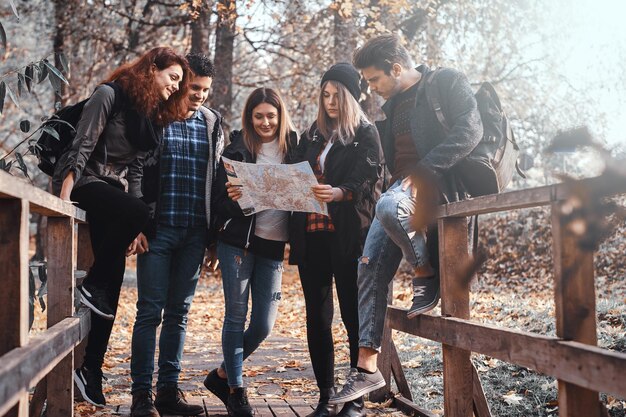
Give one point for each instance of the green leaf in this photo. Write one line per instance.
(12, 96)
(14, 9)
(3, 164)
(42, 72)
(21, 80)
(50, 130)
(28, 75)
(3, 36)
(64, 64)
(55, 120)
(54, 71)
(3, 92)
(25, 126)
(22, 165)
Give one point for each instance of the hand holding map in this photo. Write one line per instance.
(274, 186)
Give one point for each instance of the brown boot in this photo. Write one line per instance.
(142, 405)
(171, 400)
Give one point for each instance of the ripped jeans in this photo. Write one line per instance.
(244, 274)
(389, 239)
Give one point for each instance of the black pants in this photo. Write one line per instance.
(115, 219)
(322, 263)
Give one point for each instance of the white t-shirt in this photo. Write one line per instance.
(271, 224)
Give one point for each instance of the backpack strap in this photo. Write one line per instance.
(434, 98)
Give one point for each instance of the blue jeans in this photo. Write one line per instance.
(244, 274)
(389, 239)
(166, 282)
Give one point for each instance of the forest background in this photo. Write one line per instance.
(556, 64)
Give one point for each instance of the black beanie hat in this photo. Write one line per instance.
(347, 75)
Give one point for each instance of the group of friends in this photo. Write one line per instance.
(146, 167)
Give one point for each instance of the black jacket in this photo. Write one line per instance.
(440, 152)
(233, 227)
(357, 167)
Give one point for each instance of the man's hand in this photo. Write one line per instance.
(138, 246)
(66, 188)
(234, 191)
(211, 262)
(407, 184)
(327, 193)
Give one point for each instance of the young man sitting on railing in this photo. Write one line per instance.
(415, 148)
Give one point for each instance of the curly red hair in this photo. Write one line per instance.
(137, 80)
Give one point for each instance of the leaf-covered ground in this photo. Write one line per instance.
(513, 289)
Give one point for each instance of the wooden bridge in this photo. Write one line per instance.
(45, 361)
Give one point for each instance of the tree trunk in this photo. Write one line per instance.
(200, 29)
(222, 94)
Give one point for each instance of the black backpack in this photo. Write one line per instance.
(50, 146)
(488, 169)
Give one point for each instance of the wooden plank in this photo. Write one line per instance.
(580, 364)
(409, 407)
(300, 408)
(280, 407)
(41, 201)
(61, 265)
(457, 367)
(481, 406)
(531, 197)
(84, 257)
(575, 309)
(23, 367)
(398, 373)
(14, 295)
(38, 400)
(261, 408)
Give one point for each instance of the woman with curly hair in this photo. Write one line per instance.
(102, 172)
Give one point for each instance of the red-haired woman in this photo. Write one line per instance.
(102, 172)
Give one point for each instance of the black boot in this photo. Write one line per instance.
(324, 409)
(142, 405)
(238, 404)
(355, 408)
(171, 400)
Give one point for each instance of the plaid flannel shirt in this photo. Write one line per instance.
(184, 163)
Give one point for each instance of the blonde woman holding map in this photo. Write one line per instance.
(250, 248)
(344, 150)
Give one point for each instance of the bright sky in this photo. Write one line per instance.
(594, 54)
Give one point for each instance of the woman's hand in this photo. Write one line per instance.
(66, 188)
(234, 191)
(138, 246)
(327, 193)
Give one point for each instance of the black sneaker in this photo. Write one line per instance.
(171, 400)
(238, 404)
(354, 408)
(425, 295)
(218, 386)
(357, 385)
(142, 405)
(96, 300)
(89, 383)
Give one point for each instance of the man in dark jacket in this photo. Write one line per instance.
(177, 185)
(417, 152)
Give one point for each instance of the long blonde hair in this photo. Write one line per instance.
(285, 126)
(350, 115)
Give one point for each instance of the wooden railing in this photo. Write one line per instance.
(582, 369)
(47, 358)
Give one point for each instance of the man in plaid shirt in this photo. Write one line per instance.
(177, 185)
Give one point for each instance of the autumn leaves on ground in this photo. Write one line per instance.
(513, 289)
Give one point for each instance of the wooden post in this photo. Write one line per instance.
(575, 305)
(384, 358)
(84, 260)
(14, 295)
(457, 367)
(61, 265)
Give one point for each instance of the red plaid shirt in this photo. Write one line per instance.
(316, 222)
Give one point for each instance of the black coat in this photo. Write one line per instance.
(357, 167)
(233, 227)
(440, 152)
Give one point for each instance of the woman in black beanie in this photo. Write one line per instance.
(344, 151)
